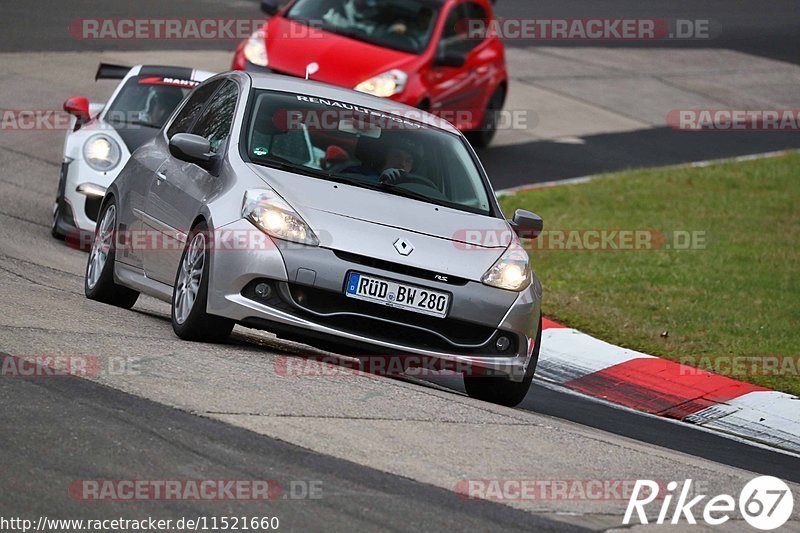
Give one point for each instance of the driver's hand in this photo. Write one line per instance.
(392, 176)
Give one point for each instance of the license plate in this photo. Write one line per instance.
(399, 295)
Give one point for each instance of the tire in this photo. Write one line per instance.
(502, 390)
(190, 321)
(98, 283)
(482, 137)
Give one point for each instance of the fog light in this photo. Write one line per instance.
(502, 344)
(263, 290)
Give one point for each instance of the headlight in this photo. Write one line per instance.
(255, 50)
(269, 213)
(384, 85)
(102, 152)
(511, 271)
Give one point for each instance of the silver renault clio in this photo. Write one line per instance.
(328, 216)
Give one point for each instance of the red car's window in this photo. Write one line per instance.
(459, 33)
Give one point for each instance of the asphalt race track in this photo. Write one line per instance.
(387, 453)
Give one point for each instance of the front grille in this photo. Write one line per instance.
(398, 326)
(407, 328)
(399, 268)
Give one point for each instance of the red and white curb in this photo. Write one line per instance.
(646, 383)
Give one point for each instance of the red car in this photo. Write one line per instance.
(432, 54)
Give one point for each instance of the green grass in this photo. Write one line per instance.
(740, 295)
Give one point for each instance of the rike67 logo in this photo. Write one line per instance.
(766, 503)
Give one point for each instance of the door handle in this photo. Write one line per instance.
(161, 176)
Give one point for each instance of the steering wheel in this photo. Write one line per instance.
(402, 40)
(413, 178)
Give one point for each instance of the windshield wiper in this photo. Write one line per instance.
(386, 187)
(395, 189)
(280, 163)
(284, 164)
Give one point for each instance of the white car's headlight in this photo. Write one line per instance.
(511, 271)
(269, 213)
(101, 152)
(384, 85)
(255, 50)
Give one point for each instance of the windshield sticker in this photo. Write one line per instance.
(175, 82)
(260, 150)
(388, 121)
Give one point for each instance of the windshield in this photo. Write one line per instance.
(365, 148)
(405, 25)
(148, 100)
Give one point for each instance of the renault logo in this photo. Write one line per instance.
(403, 247)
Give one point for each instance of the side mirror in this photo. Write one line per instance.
(78, 107)
(270, 7)
(526, 224)
(450, 59)
(192, 149)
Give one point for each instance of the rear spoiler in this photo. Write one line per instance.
(111, 72)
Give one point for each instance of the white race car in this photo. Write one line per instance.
(102, 137)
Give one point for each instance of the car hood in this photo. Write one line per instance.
(367, 222)
(134, 136)
(342, 61)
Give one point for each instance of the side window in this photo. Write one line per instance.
(456, 34)
(452, 26)
(475, 12)
(216, 121)
(190, 111)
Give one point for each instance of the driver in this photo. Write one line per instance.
(399, 162)
(401, 158)
(415, 29)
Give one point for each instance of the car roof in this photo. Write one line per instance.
(283, 83)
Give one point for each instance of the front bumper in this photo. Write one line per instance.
(306, 297)
(84, 208)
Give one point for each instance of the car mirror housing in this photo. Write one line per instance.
(192, 149)
(450, 59)
(78, 106)
(270, 7)
(526, 224)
